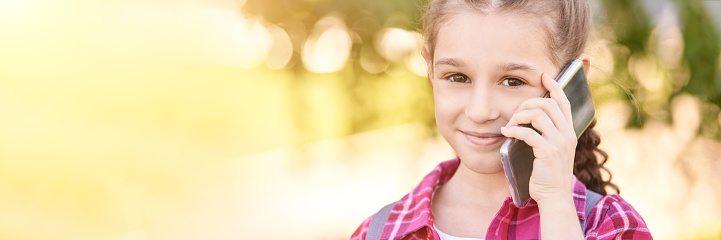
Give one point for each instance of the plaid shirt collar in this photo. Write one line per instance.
(411, 216)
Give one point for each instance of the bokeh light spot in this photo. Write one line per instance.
(667, 40)
(328, 48)
(686, 115)
(395, 43)
(372, 62)
(646, 71)
(280, 51)
(416, 63)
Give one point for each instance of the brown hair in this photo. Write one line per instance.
(566, 25)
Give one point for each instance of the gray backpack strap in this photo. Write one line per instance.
(378, 221)
(592, 199)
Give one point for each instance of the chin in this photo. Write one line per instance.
(481, 163)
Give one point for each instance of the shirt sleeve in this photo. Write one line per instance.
(614, 218)
(360, 233)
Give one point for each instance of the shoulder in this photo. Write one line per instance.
(362, 230)
(412, 212)
(614, 218)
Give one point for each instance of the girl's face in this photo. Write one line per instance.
(484, 66)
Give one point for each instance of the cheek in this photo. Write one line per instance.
(448, 104)
(513, 101)
(510, 105)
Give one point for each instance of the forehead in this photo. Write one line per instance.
(493, 36)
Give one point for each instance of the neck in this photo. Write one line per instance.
(470, 187)
(466, 204)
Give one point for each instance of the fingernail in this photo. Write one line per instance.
(546, 75)
(503, 129)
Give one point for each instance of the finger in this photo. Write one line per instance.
(528, 135)
(556, 93)
(537, 118)
(549, 107)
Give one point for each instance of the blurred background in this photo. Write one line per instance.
(297, 119)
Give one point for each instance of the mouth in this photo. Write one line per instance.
(483, 139)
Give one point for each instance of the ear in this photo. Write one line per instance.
(426, 53)
(586, 59)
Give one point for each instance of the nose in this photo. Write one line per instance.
(482, 107)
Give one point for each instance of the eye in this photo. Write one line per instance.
(459, 78)
(513, 82)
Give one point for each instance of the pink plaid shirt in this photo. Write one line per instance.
(411, 217)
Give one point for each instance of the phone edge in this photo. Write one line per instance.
(510, 174)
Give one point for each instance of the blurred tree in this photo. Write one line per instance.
(364, 19)
(631, 28)
(701, 53)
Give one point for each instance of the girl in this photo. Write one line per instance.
(488, 63)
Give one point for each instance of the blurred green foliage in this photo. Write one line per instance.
(631, 31)
(632, 28)
(701, 53)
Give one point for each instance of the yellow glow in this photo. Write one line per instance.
(240, 3)
(7, 6)
(132, 32)
(118, 116)
(227, 39)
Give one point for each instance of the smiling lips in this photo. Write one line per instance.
(483, 139)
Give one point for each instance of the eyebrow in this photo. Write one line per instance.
(509, 66)
(449, 61)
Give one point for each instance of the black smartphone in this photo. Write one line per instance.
(517, 156)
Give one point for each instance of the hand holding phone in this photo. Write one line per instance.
(518, 157)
